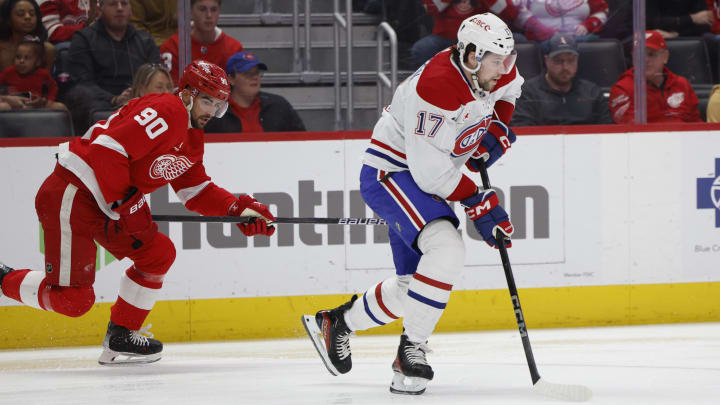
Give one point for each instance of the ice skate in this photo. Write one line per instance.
(125, 346)
(4, 270)
(412, 371)
(331, 337)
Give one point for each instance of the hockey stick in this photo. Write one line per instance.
(279, 220)
(566, 392)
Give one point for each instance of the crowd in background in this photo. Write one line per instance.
(90, 57)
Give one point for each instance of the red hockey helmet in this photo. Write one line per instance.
(206, 77)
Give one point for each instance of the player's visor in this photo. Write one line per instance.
(212, 102)
(502, 63)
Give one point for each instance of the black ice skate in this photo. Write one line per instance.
(4, 270)
(331, 337)
(125, 346)
(412, 371)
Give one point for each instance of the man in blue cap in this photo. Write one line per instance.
(252, 110)
(557, 96)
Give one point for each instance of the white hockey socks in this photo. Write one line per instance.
(381, 304)
(429, 289)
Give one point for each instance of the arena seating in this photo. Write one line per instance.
(689, 58)
(35, 123)
(529, 59)
(601, 62)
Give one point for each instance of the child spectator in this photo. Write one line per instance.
(19, 18)
(208, 42)
(28, 79)
(540, 19)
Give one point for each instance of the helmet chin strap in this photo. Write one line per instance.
(476, 85)
(189, 108)
(473, 74)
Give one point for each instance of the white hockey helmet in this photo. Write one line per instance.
(489, 34)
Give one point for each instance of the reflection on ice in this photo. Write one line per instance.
(661, 364)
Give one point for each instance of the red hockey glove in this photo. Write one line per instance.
(488, 216)
(134, 213)
(247, 206)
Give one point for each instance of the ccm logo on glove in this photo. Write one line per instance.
(488, 216)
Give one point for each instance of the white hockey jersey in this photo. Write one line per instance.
(435, 122)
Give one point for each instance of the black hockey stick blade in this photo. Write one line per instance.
(566, 392)
(279, 220)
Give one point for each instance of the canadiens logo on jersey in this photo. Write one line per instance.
(169, 167)
(469, 138)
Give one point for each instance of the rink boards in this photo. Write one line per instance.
(614, 225)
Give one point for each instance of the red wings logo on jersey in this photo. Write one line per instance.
(470, 137)
(169, 167)
(558, 8)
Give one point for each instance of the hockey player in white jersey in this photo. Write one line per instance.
(452, 112)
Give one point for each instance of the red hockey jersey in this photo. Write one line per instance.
(217, 52)
(146, 144)
(62, 18)
(449, 14)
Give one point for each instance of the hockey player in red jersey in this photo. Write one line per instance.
(97, 193)
(452, 112)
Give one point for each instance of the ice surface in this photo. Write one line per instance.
(657, 364)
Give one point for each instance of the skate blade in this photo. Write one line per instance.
(402, 384)
(113, 358)
(319, 342)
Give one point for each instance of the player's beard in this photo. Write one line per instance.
(196, 122)
(488, 85)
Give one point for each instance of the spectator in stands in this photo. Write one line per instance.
(672, 18)
(208, 42)
(670, 98)
(714, 7)
(151, 78)
(103, 60)
(540, 19)
(156, 17)
(63, 17)
(252, 110)
(558, 97)
(27, 78)
(448, 15)
(619, 23)
(713, 107)
(19, 18)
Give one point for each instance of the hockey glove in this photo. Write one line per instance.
(134, 213)
(492, 146)
(247, 206)
(487, 215)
